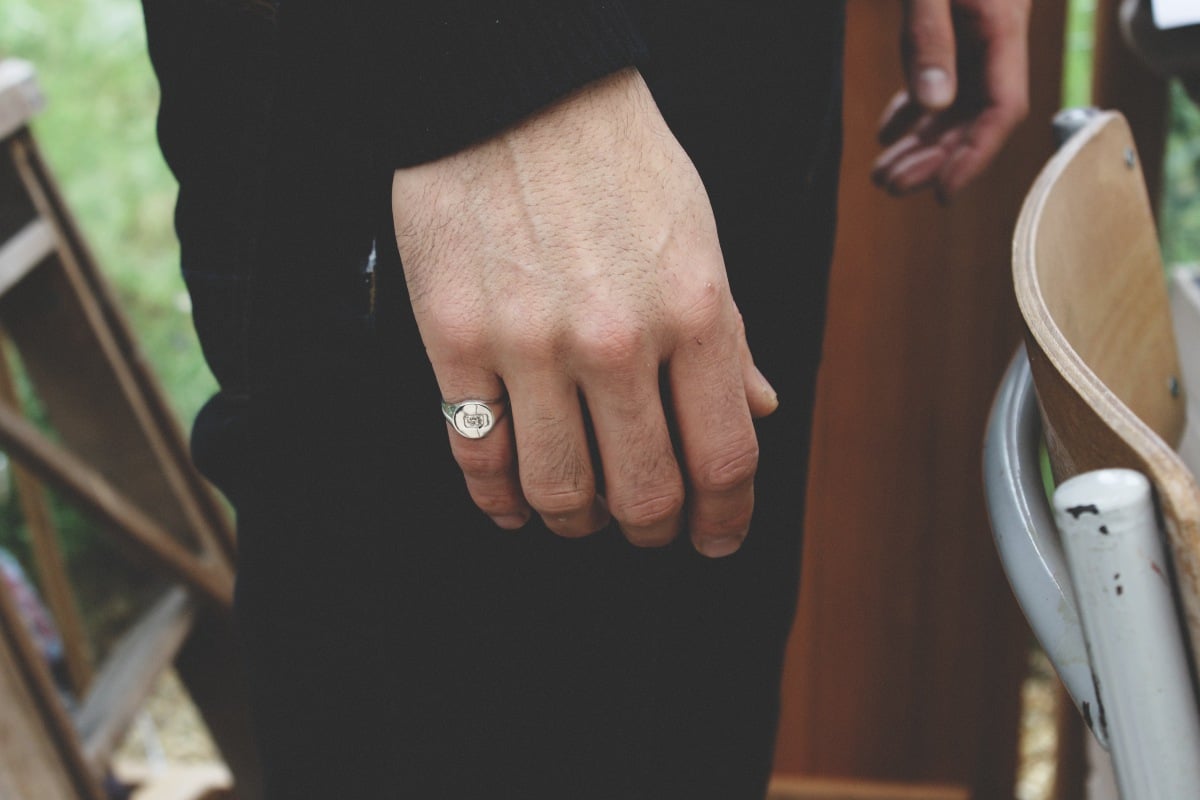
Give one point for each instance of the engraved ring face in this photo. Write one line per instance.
(473, 419)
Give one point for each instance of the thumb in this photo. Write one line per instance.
(928, 49)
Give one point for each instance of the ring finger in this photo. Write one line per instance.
(487, 457)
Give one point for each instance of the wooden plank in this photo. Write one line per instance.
(180, 493)
(127, 676)
(61, 469)
(39, 749)
(20, 97)
(908, 651)
(48, 560)
(24, 251)
(796, 788)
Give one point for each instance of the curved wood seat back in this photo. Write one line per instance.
(1091, 288)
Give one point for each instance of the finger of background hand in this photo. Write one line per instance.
(927, 129)
(716, 435)
(900, 150)
(642, 483)
(982, 141)
(1006, 72)
(761, 396)
(898, 118)
(553, 459)
(929, 52)
(488, 464)
(973, 155)
(919, 167)
(915, 172)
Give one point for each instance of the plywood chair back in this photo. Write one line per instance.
(1091, 288)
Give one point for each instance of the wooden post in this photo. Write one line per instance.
(908, 651)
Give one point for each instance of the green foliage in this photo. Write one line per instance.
(1077, 53)
(1180, 210)
(98, 134)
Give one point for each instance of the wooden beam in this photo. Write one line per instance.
(185, 492)
(83, 485)
(24, 251)
(797, 788)
(48, 560)
(128, 676)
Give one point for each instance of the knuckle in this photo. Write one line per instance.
(705, 308)
(530, 344)
(611, 344)
(729, 470)
(453, 329)
(555, 502)
(648, 511)
(482, 462)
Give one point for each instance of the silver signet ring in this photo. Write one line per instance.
(473, 419)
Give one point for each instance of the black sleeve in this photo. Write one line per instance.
(451, 72)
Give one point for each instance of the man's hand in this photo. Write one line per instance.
(571, 266)
(966, 64)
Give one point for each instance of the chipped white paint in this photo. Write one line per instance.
(1122, 589)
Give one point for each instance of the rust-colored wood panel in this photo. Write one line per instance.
(853, 789)
(908, 650)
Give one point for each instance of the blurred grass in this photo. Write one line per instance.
(97, 132)
(1077, 53)
(1179, 223)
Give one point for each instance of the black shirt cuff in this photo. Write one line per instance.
(454, 72)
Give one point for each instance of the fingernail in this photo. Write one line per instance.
(933, 88)
(511, 522)
(720, 547)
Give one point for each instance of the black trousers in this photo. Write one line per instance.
(401, 646)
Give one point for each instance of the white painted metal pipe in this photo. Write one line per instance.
(1147, 704)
